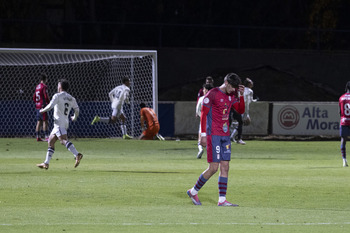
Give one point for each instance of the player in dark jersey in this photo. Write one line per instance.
(344, 109)
(215, 134)
(208, 80)
(41, 99)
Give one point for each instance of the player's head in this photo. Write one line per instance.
(232, 82)
(43, 78)
(207, 87)
(248, 83)
(63, 85)
(126, 81)
(209, 79)
(347, 87)
(142, 105)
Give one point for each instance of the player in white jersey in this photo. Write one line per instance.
(206, 87)
(248, 98)
(62, 102)
(118, 96)
(243, 119)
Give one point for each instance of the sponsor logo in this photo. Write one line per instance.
(288, 117)
(206, 100)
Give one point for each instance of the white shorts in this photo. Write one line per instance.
(117, 112)
(59, 130)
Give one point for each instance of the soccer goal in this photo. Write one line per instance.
(92, 74)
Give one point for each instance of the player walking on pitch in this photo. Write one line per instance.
(215, 134)
(118, 96)
(41, 99)
(62, 102)
(344, 110)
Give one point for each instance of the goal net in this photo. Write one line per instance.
(92, 74)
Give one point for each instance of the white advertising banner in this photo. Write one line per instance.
(309, 118)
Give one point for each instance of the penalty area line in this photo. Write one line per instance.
(183, 224)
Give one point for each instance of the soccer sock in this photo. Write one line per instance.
(199, 184)
(105, 119)
(200, 147)
(71, 148)
(49, 154)
(123, 128)
(222, 183)
(233, 133)
(37, 134)
(343, 151)
(47, 134)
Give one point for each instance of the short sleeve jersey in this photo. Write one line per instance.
(41, 96)
(344, 106)
(62, 103)
(150, 116)
(119, 95)
(219, 104)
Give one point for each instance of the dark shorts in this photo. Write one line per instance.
(41, 116)
(218, 148)
(344, 131)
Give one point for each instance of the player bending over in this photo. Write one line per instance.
(62, 102)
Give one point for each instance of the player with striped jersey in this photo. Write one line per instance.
(344, 109)
(41, 99)
(215, 134)
(118, 96)
(62, 102)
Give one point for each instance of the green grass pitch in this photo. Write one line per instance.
(139, 186)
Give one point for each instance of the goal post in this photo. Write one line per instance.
(92, 74)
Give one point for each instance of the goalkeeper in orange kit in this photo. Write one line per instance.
(152, 127)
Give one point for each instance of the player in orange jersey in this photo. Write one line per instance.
(152, 124)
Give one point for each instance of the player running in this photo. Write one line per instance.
(215, 134)
(41, 99)
(118, 96)
(344, 110)
(62, 102)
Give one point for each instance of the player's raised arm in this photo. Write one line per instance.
(240, 106)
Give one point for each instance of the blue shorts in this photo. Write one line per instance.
(41, 116)
(344, 130)
(218, 148)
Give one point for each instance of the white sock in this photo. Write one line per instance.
(49, 154)
(193, 191)
(71, 148)
(222, 199)
(104, 119)
(123, 128)
(200, 147)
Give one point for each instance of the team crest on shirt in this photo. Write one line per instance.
(206, 100)
(225, 127)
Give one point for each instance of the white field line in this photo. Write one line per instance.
(184, 224)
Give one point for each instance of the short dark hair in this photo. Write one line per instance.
(43, 77)
(233, 79)
(209, 78)
(247, 81)
(126, 79)
(64, 84)
(208, 86)
(142, 105)
(347, 87)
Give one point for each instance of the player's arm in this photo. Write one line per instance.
(76, 110)
(204, 113)
(240, 106)
(46, 95)
(52, 103)
(126, 96)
